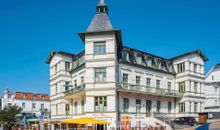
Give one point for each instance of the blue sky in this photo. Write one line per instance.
(30, 29)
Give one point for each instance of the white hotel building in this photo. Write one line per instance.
(111, 82)
(212, 90)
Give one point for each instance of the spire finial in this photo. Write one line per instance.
(102, 2)
(102, 7)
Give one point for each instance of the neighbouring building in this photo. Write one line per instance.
(31, 104)
(0, 103)
(212, 90)
(122, 85)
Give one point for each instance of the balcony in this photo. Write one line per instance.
(75, 90)
(149, 90)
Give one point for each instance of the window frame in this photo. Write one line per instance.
(99, 48)
(100, 103)
(100, 75)
(125, 105)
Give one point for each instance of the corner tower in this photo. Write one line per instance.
(101, 44)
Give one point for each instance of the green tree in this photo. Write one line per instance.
(8, 116)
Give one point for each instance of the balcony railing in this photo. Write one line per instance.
(74, 90)
(149, 90)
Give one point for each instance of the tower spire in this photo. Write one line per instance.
(102, 2)
(102, 7)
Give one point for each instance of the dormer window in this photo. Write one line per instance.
(67, 66)
(159, 64)
(99, 48)
(138, 59)
(149, 62)
(125, 56)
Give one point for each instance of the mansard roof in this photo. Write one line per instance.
(198, 52)
(147, 60)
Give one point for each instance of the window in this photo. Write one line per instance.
(67, 66)
(182, 87)
(55, 86)
(158, 85)
(196, 87)
(169, 86)
(169, 107)
(148, 106)
(138, 80)
(181, 67)
(67, 85)
(190, 107)
(212, 77)
(125, 56)
(9, 95)
(158, 106)
(75, 106)
(125, 78)
(100, 75)
(75, 83)
(195, 67)
(82, 106)
(181, 107)
(148, 82)
(33, 105)
(138, 59)
(82, 80)
(158, 64)
(149, 61)
(125, 104)
(55, 68)
(67, 109)
(101, 104)
(138, 105)
(23, 105)
(42, 107)
(99, 48)
(56, 109)
(195, 107)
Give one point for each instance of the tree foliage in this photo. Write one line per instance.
(8, 115)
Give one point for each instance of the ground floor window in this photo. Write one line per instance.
(148, 106)
(181, 107)
(67, 109)
(196, 107)
(75, 106)
(138, 105)
(169, 107)
(101, 104)
(82, 106)
(125, 104)
(158, 106)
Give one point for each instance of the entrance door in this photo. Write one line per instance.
(100, 127)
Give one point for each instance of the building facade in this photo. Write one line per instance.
(31, 104)
(122, 85)
(212, 90)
